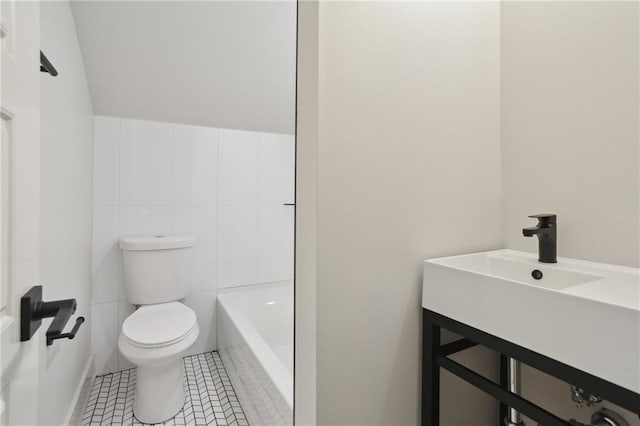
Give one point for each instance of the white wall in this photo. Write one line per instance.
(228, 63)
(570, 125)
(413, 135)
(306, 218)
(408, 168)
(225, 186)
(65, 207)
(570, 142)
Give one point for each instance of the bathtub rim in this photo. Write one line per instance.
(275, 369)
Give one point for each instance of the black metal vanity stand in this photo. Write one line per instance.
(436, 356)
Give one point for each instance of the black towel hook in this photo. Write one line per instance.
(46, 66)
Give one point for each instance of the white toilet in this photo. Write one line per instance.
(158, 334)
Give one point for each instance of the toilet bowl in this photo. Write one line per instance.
(155, 338)
(160, 332)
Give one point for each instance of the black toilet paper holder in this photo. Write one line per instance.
(33, 310)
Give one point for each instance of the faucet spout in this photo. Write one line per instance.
(530, 232)
(546, 231)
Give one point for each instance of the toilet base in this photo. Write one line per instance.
(159, 391)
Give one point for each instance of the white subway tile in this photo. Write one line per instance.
(145, 163)
(204, 305)
(237, 245)
(275, 242)
(105, 254)
(145, 220)
(124, 310)
(238, 167)
(106, 143)
(201, 222)
(104, 337)
(195, 162)
(277, 169)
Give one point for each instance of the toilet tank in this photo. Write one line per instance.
(157, 268)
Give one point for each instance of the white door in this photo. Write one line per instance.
(19, 208)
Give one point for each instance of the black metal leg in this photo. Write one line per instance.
(504, 384)
(430, 373)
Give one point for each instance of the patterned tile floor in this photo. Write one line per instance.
(211, 399)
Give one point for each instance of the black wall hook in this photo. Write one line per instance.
(46, 66)
(33, 310)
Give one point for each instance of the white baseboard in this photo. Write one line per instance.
(76, 408)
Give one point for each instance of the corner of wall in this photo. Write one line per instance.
(306, 219)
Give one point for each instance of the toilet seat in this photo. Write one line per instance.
(159, 325)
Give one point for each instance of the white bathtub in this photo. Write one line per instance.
(255, 341)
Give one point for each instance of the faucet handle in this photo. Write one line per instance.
(544, 218)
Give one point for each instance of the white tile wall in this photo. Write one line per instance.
(104, 336)
(195, 157)
(227, 187)
(124, 310)
(145, 220)
(204, 304)
(237, 245)
(106, 160)
(105, 254)
(201, 221)
(145, 163)
(275, 243)
(276, 169)
(238, 167)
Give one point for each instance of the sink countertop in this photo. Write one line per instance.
(585, 314)
(617, 285)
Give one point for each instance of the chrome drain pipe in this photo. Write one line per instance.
(513, 369)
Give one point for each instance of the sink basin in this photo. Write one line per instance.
(511, 266)
(584, 314)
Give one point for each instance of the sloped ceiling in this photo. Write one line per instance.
(215, 63)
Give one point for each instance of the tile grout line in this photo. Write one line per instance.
(117, 393)
(206, 386)
(190, 401)
(202, 372)
(225, 374)
(101, 387)
(130, 378)
(93, 411)
(106, 412)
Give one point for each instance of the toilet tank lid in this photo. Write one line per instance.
(156, 242)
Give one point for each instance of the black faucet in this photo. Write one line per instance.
(546, 230)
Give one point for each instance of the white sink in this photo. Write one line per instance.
(584, 314)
